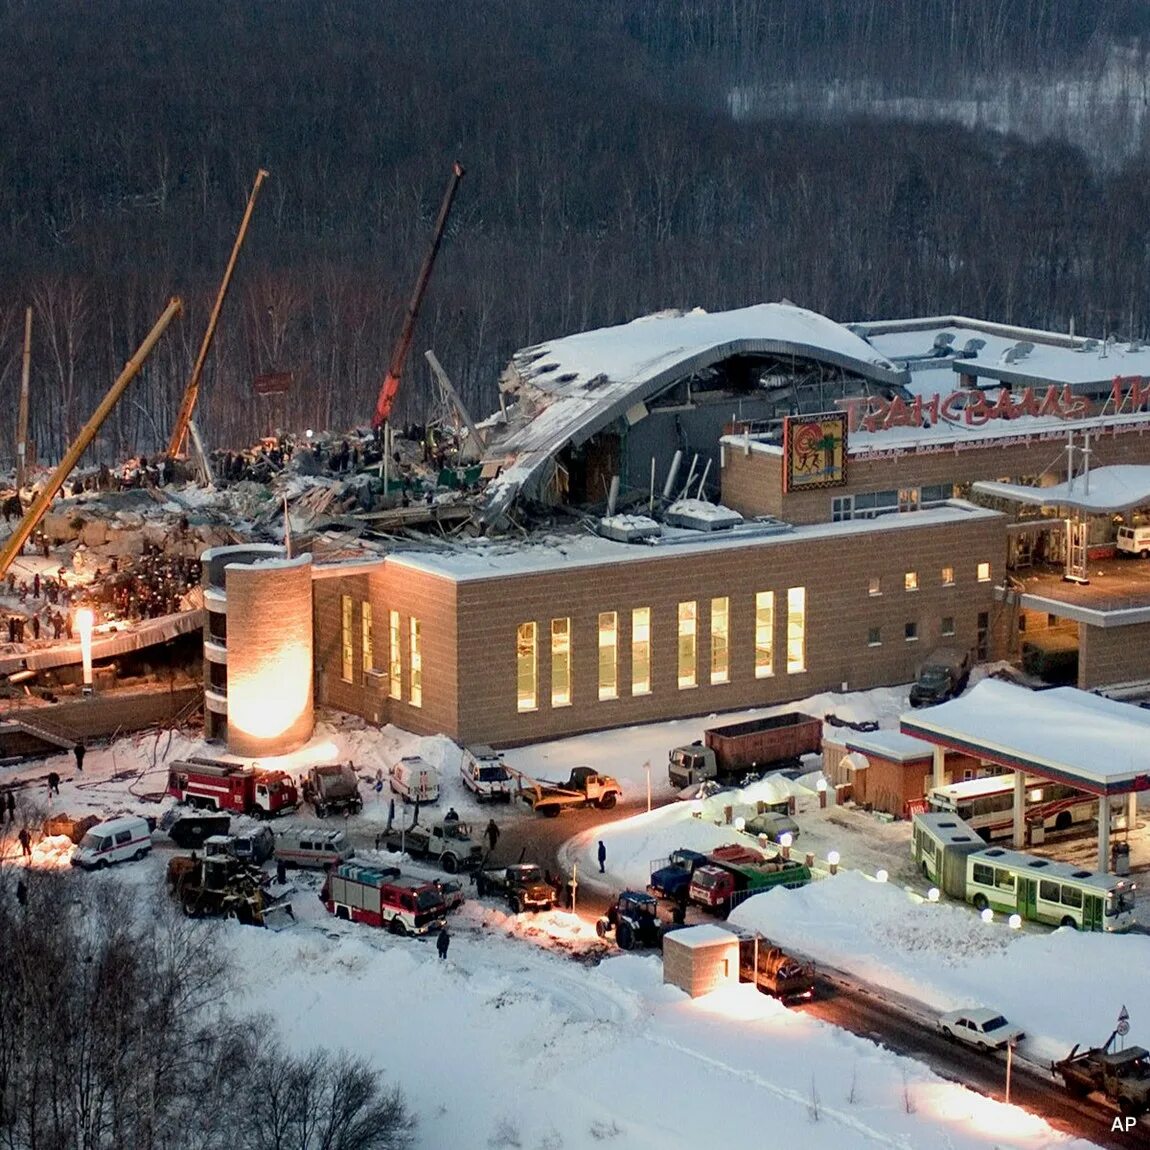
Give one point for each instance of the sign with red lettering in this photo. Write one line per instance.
(274, 383)
(815, 450)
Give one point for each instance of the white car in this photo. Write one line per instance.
(980, 1026)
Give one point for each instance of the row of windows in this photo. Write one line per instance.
(687, 648)
(910, 631)
(394, 650)
(910, 581)
(871, 504)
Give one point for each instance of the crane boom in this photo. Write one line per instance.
(42, 501)
(390, 386)
(180, 428)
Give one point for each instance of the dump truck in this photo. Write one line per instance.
(332, 787)
(219, 786)
(221, 886)
(585, 788)
(523, 885)
(1123, 1076)
(720, 884)
(634, 919)
(772, 970)
(671, 877)
(732, 753)
(449, 843)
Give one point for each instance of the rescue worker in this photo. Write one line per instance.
(79, 750)
(53, 783)
(492, 833)
(442, 941)
(602, 856)
(452, 816)
(11, 803)
(25, 842)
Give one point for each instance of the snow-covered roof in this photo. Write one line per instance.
(891, 745)
(697, 937)
(1091, 742)
(1105, 489)
(486, 559)
(573, 387)
(1052, 357)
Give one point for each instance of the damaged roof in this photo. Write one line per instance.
(569, 389)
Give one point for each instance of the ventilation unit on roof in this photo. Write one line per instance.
(1081, 874)
(943, 340)
(972, 347)
(696, 515)
(1088, 345)
(1135, 345)
(994, 852)
(1018, 351)
(1036, 863)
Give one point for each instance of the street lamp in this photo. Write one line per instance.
(987, 915)
(933, 894)
(881, 875)
(785, 840)
(647, 768)
(833, 860)
(821, 787)
(84, 622)
(1015, 921)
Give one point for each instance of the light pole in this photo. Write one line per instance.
(647, 768)
(1009, 1059)
(84, 621)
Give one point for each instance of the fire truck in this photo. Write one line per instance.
(381, 896)
(219, 786)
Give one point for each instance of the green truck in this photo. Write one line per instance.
(721, 885)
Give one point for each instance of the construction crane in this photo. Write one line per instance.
(390, 386)
(88, 432)
(180, 429)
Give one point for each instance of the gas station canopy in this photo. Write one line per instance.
(1107, 489)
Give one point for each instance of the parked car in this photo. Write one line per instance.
(773, 825)
(980, 1026)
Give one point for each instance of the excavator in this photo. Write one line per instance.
(390, 388)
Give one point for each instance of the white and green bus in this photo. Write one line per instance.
(1043, 890)
(1011, 882)
(987, 804)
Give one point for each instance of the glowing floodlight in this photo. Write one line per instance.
(881, 875)
(1015, 921)
(833, 861)
(988, 915)
(85, 621)
(933, 894)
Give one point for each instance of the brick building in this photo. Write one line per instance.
(855, 548)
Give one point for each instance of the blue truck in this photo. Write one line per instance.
(671, 877)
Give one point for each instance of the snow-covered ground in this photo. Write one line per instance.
(518, 1039)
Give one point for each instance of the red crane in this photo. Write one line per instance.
(390, 386)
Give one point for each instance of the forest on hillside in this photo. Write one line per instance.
(621, 158)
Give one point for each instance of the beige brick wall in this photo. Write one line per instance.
(270, 707)
(414, 594)
(839, 614)
(752, 484)
(1111, 655)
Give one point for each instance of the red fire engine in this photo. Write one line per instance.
(220, 786)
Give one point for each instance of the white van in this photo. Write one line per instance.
(114, 841)
(1134, 541)
(312, 846)
(485, 775)
(413, 778)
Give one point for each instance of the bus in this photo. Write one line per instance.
(987, 804)
(951, 854)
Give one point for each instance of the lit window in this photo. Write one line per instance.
(687, 623)
(608, 655)
(910, 581)
(796, 630)
(720, 640)
(948, 576)
(641, 651)
(874, 637)
(416, 663)
(368, 639)
(394, 657)
(948, 624)
(875, 587)
(525, 665)
(347, 659)
(984, 572)
(560, 662)
(911, 632)
(764, 634)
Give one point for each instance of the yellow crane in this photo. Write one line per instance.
(88, 432)
(183, 419)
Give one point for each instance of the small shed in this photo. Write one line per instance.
(699, 959)
(899, 768)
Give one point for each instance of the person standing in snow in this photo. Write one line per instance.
(602, 857)
(53, 783)
(492, 833)
(442, 942)
(79, 750)
(25, 842)
(11, 807)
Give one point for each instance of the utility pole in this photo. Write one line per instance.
(22, 415)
